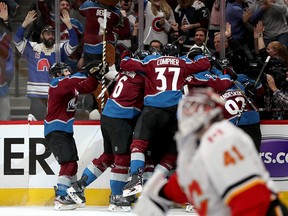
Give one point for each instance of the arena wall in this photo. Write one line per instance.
(28, 170)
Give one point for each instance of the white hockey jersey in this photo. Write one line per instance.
(225, 165)
(152, 30)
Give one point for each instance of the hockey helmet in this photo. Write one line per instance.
(170, 50)
(141, 54)
(58, 69)
(155, 51)
(199, 109)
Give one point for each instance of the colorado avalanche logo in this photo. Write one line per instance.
(155, 26)
(72, 104)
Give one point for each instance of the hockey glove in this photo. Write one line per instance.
(97, 69)
(194, 52)
(125, 53)
(250, 90)
(150, 202)
(231, 72)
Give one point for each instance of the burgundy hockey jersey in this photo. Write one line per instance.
(126, 100)
(62, 100)
(167, 75)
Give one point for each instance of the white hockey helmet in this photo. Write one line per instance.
(199, 109)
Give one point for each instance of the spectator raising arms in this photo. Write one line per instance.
(76, 60)
(276, 28)
(40, 57)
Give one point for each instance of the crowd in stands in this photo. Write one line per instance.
(197, 21)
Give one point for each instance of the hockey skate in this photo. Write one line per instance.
(132, 199)
(134, 185)
(64, 203)
(119, 203)
(76, 193)
(190, 209)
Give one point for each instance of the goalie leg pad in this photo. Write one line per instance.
(151, 203)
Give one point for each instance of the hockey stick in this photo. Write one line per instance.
(182, 37)
(104, 60)
(262, 70)
(206, 50)
(107, 86)
(116, 76)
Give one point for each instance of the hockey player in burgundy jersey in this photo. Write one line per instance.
(58, 125)
(95, 25)
(40, 57)
(165, 78)
(117, 124)
(213, 78)
(240, 108)
(103, 16)
(218, 168)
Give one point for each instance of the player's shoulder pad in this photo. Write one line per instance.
(150, 57)
(185, 58)
(79, 75)
(54, 82)
(218, 134)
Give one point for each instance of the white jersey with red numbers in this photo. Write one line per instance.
(224, 173)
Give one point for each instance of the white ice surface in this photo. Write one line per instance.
(87, 211)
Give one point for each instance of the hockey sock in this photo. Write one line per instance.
(118, 178)
(92, 173)
(137, 161)
(64, 182)
(117, 186)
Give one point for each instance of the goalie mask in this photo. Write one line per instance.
(198, 110)
(59, 69)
